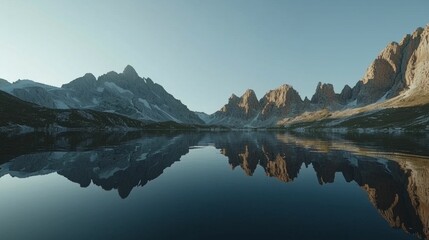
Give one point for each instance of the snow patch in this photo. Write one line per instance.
(173, 118)
(21, 84)
(116, 88)
(142, 157)
(109, 172)
(95, 101)
(352, 104)
(60, 104)
(146, 103)
(382, 99)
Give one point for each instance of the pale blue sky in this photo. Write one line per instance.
(203, 51)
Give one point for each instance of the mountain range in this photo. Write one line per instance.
(398, 77)
(397, 80)
(123, 93)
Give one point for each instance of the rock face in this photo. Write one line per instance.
(400, 66)
(246, 106)
(325, 95)
(238, 110)
(346, 94)
(401, 69)
(248, 111)
(282, 101)
(124, 93)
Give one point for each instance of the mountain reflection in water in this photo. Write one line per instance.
(396, 182)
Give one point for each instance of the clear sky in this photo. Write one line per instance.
(203, 51)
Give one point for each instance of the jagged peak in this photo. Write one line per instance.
(129, 71)
(285, 86)
(321, 85)
(149, 80)
(4, 81)
(248, 93)
(89, 76)
(233, 96)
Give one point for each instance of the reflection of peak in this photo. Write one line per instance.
(398, 189)
(249, 161)
(122, 167)
(278, 168)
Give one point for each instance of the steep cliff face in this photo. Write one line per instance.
(400, 71)
(238, 111)
(245, 107)
(417, 68)
(400, 66)
(248, 111)
(325, 96)
(283, 101)
(346, 94)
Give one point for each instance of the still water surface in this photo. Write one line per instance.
(237, 185)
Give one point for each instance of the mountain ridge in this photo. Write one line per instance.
(123, 93)
(398, 77)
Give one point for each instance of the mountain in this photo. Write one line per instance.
(20, 116)
(123, 93)
(397, 78)
(238, 110)
(4, 82)
(247, 111)
(283, 101)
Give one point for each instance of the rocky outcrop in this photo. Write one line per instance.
(281, 102)
(399, 67)
(248, 111)
(246, 106)
(346, 94)
(324, 95)
(401, 70)
(238, 110)
(417, 68)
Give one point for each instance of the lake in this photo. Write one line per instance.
(232, 185)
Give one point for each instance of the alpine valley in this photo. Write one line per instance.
(395, 84)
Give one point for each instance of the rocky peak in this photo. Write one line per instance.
(324, 94)
(280, 96)
(395, 68)
(249, 102)
(282, 101)
(233, 98)
(245, 106)
(130, 72)
(86, 82)
(4, 82)
(416, 70)
(346, 94)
